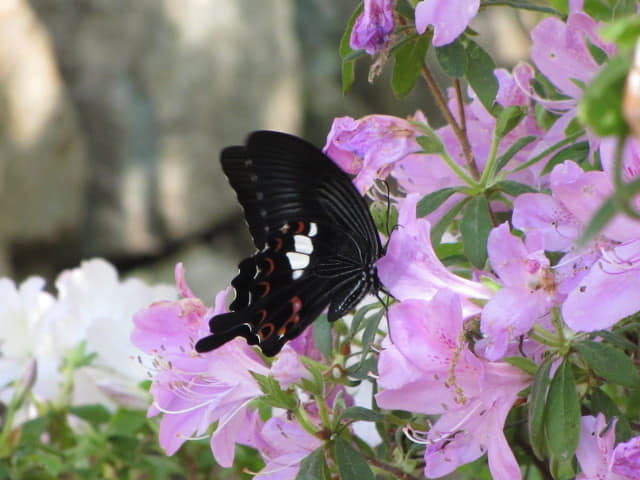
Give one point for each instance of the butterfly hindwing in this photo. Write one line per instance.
(317, 243)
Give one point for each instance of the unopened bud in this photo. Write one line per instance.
(24, 382)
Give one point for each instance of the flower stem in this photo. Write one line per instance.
(322, 411)
(457, 131)
(544, 336)
(304, 421)
(395, 471)
(487, 174)
(522, 6)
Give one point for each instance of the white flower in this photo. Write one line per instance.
(99, 308)
(25, 334)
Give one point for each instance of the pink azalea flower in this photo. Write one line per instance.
(411, 269)
(283, 445)
(369, 147)
(426, 367)
(528, 291)
(561, 53)
(448, 17)
(595, 449)
(287, 367)
(622, 227)
(608, 267)
(625, 460)
(373, 27)
(545, 215)
(561, 50)
(193, 390)
(304, 345)
(612, 278)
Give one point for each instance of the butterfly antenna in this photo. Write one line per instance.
(390, 229)
(386, 184)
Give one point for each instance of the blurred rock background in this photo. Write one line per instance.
(113, 113)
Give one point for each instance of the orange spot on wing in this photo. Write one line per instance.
(271, 266)
(301, 227)
(267, 288)
(296, 304)
(266, 331)
(291, 321)
(278, 244)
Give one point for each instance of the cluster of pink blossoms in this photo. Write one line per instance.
(426, 363)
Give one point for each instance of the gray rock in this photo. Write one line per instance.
(160, 87)
(42, 154)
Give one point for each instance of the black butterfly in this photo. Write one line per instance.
(317, 243)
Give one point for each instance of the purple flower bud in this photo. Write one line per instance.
(372, 28)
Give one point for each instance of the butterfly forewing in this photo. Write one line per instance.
(317, 243)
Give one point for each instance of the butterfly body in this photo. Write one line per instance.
(317, 243)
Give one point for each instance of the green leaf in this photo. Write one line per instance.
(51, 463)
(32, 430)
(161, 467)
(370, 329)
(603, 403)
(576, 152)
(432, 201)
(78, 356)
(359, 316)
(616, 339)
(125, 447)
(535, 413)
(405, 9)
(348, 76)
(384, 216)
(314, 466)
(441, 225)
(363, 414)
(126, 422)
(560, 5)
(431, 143)
(351, 464)
(315, 386)
(479, 73)
(475, 228)
(601, 104)
(598, 54)
(524, 364)
(322, 335)
(604, 214)
(561, 469)
(514, 188)
(362, 369)
(355, 55)
(274, 396)
(512, 150)
(445, 251)
(624, 8)
(562, 414)
(409, 60)
(452, 58)
(509, 119)
(597, 9)
(624, 32)
(609, 363)
(94, 414)
(348, 66)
